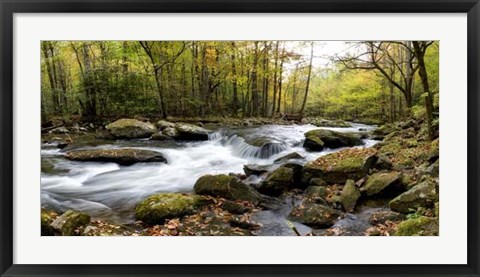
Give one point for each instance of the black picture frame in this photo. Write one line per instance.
(9, 7)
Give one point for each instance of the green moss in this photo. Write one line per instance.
(421, 226)
(156, 208)
(349, 196)
(378, 182)
(68, 222)
(225, 186)
(47, 219)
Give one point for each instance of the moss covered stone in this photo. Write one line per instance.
(158, 207)
(191, 132)
(278, 181)
(47, 218)
(349, 196)
(123, 156)
(68, 222)
(380, 182)
(131, 128)
(314, 215)
(316, 140)
(228, 187)
(340, 166)
(421, 226)
(425, 194)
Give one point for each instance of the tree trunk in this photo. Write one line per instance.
(255, 102)
(308, 81)
(234, 82)
(275, 85)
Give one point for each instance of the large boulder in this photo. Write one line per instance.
(425, 194)
(278, 181)
(383, 182)
(170, 132)
(314, 215)
(349, 196)
(420, 226)
(131, 128)
(162, 124)
(122, 156)
(68, 222)
(338, 167)
(191, 132)
(225, 186)
(158, 207)
(316, 140)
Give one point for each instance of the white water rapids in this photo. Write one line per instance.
(110, 191)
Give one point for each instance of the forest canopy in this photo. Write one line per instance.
(363, 81)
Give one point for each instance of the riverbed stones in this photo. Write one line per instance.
(314, 215)
(382, 216)
(227, 187)
(160, 136)
(158, 207)
(338, 167)
(254, 169)
(421, 226)
(131, 128)
(425, 194)
(68, 222)
(383, 181)
(191, 132)
(316, 140)
(122, 156)
(349, 196)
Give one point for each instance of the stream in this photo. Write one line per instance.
(108, 191)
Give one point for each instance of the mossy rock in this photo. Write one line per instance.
(421, 226)
(315, 140)
(162, 124)
(349, 196)
(68, 222)
(122, 156)
(227, 187)
(160, 136)
(47, 217)
(291, 156)
(338, 167)
(170, 132)
(158, 207)
(383, 181)
(425, 194)
(191, 132)
(277, 182)
(314, 215)
(131, 128)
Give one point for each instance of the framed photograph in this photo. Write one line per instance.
(248, 138)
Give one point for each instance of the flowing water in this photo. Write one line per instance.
(109, 191)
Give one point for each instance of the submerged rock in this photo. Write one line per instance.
(425, 194)
(421, 226)
(68, 222)
(349, 196)
(130, 128)
(191, 132)
(122, 156)
(315, 215)
(338, 167)
(316, 140)
(158, 207)
(225, 186)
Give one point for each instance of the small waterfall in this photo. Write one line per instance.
(243, 149)
(217, 135)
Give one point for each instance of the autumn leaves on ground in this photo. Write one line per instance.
(244, 138)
